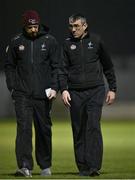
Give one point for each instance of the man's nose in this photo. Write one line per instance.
(33, 29)
(73, 29)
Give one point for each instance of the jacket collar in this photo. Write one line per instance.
(78, 39)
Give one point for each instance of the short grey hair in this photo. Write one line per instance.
(78, 16)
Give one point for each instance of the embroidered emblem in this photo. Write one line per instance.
(32, 21)
(90, 45)
(43, 47)
(21, 48)
(72, 47)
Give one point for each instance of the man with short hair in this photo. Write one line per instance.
(84, 61)
(31, 71)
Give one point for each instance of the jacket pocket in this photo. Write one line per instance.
(93, 71)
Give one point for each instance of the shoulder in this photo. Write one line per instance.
(51, 40)
(14, 40)
(16, 37)
(49, 37)
(67, 41)
(95, 37)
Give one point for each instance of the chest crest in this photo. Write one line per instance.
(73, 47)
(21, 47)
(43, 47)
(90, 45)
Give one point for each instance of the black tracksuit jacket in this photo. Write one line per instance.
(31, 65)
(83, 63)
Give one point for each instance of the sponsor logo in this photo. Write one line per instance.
(32, 21)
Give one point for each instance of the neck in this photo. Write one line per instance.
(83, 35)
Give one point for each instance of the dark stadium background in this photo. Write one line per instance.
(114, 20)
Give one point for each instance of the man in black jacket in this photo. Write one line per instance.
(31, 71)
(84, 61)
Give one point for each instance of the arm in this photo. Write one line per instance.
(10, 66)
(63, 69)
(63, 76)
(108, 70)
(54, 62)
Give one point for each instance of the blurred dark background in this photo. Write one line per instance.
(114, 20)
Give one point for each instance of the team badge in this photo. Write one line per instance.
(90, 45)
(43, 47)
(72, 47)
(21, 48)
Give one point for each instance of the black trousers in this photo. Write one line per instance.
(85, 111)
(28, 109)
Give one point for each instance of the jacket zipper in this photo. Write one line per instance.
(32, 52)
(82, 59)
(32, 60)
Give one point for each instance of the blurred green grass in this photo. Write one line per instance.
(118, 159)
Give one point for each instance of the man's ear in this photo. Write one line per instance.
(85, 25)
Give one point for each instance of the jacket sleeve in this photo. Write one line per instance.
(54, 62)
(108, 67)
(10, 66)
(63, 70)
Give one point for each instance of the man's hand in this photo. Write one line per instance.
(110, 97)
(66, 98)
(52, 94)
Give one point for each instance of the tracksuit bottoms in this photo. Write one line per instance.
(85, 111)
(28, 109)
